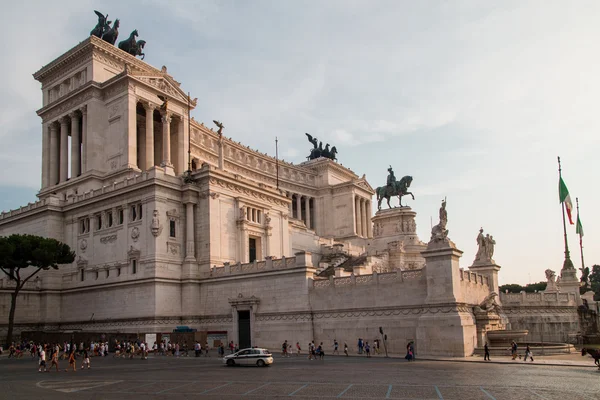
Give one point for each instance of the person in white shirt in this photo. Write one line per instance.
(42, 355)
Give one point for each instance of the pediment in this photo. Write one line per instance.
(365, 185)
(165, 85)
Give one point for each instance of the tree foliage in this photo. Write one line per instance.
(530, 288)
(595, 281)
(24, 256)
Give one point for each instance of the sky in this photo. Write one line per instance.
(473, 99)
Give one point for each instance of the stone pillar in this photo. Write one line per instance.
(75, 145)
(298, 207)
(54, 157)
(83, 139)
(149, 135)
(45, 155)
(489, 270)
(363, 209)
(357, 215)
(307, 209)
(189, 232)
(64, 149)
(166, 140)
(369, 223)
(289, 196)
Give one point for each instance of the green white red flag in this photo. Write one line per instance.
(563, 194)
(579, 229)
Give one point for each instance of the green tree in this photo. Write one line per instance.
(28, 253)
(595, 281)
(530, 288)
(511, 287)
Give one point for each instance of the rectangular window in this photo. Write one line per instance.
(97, 275)
(118, 271)
(172, 228)
(133, 266)
(109, 218)
(139, 211)
(107, 273)
(98, 222)
(133, 213)
(121, 216)
(82, 226)
(82, 275)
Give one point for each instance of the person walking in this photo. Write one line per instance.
(54, 360)
(486, 352)
(368, 349)
(42, 357)
(86, 360)
(346, 349)
(514, 349)
(72, 362)
(335, 347)
(298, 349)
(528, 353)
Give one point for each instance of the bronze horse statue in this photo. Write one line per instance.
(399, 189)
(102, 26)
(111, 35)
(129, 45)
(595, 353)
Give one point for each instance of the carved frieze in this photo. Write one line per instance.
(108, 239)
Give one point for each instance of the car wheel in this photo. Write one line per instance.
(230, 363)
(260, 363)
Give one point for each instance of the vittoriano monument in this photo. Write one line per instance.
(109, 34)
(393, 188)
(319, 151)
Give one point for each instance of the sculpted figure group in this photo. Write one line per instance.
(319, 151)
(486, 245)
(109, 34)
(394, 188)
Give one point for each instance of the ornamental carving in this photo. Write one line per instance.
(68, 105)
(173, 248)
(83, 245)
(155, 226)
(108, 239)
(135, 234)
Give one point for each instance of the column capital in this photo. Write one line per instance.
(74, 114)
(64, 119)
(54, 125)
(166, 117)
(83, 109)
(149, 106)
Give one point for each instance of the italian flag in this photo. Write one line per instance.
(579, 229)
(565, 198)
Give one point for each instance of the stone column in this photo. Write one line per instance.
(298, 207)
(189, 232)
(307, 209)
(357, 216)
(149, 135)
(45, 155)
(83, 138)
(289, 196)
(369, 223)
(54, 157)
(75, 145)
(64, 149)
(166, 139)
(365, 221)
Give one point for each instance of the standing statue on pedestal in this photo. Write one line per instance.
(485, 250)
(393, 188)
(439, 232)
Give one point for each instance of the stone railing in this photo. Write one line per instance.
(371, 279)
(541, 298)
(473, 277)
(23, 209)
(116, 185)
(269, 264)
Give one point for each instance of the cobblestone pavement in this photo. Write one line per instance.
(297, 377)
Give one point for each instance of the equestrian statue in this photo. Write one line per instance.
(394, 188)
(319, 151)
(109, 34)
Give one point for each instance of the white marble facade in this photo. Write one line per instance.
(155, 251)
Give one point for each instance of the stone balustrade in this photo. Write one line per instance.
(474, 277)
(370, 279)
(535, 299)
(24, 209)
(254, 267)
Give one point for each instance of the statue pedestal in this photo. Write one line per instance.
(394, 232)
(490, 270)
(569, 283)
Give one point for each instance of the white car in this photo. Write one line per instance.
(258, 357)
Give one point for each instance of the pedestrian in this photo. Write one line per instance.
(206, 350)
(54, 362)
(368, 349)
(486, 351)
(409, 353)
(360, 346)
(284, 347)
(335, 347)
(310, 350)
(297, 349)
(72, 362)
(528, 353)
(514, 348)
(42, 362)
(86, 360)
(346, 349)
(412, 350)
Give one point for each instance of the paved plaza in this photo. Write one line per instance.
(297, 377)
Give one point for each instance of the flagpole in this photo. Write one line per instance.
(277, 161)
(568, 264)
(580, 236)
(189, 137)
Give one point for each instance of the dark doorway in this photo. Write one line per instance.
(252, 249)
(244, 329)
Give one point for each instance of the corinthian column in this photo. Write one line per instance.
(54, 155)
(149, 135)
(189, 232)
(357, 216)
(166, 122)
(64, 149)
(84, 138)
(75, 145)
(363, 208)
(307, 209)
